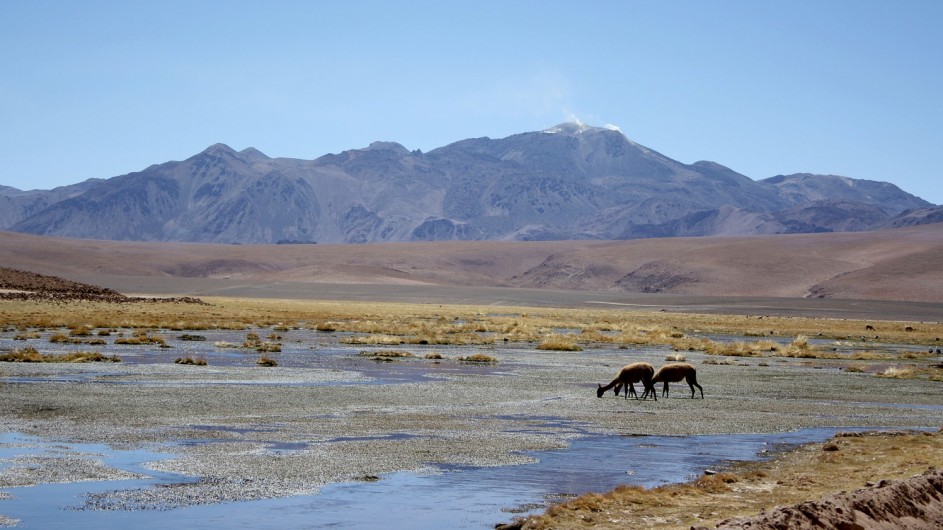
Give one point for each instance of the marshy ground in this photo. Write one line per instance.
(359, 391)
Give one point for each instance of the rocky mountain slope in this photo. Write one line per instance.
(567, 182)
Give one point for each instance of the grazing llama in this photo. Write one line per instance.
(675, 372)
(632, 373)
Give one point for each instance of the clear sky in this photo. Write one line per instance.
(103, 88)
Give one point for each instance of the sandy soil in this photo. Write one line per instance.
(899, 265)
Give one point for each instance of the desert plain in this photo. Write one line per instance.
(423, 357)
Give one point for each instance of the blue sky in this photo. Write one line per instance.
(99, 89)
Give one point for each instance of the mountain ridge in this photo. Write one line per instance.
(570, 181)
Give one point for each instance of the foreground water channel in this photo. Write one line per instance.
(753, 408)
(457, 497)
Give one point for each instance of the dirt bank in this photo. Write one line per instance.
(914, 504)
(855, 481)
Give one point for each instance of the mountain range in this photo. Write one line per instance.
(568, 182)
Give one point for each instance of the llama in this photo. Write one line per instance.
(632, 373)
(673, 373)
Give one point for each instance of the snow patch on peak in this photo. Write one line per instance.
(572, 127)
(578, 127)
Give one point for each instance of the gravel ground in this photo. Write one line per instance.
(240, 433)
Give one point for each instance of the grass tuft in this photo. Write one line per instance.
(559, 343)
(31, 355)
(266, 361)
(478, 358)
(199, 361)
(895, 372)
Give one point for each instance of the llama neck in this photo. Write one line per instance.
(611, 384)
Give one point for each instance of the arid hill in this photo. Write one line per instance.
(15, 282)
(903, 264)
(24, 285)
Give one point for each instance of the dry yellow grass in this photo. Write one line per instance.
(559, 343)
(483, 358)
(401, 319)
(31, 355)
(810, 472)
(387, 354)
(403, 323)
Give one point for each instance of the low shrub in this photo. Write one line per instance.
(190, 360)
(478, 358)
(266, 361)
(142, 339)
(80, 331)
(386, 354)
(559, 343)
(374, 339)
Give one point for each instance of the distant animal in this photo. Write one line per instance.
(632, 373)
(675, 372)
(869, 327)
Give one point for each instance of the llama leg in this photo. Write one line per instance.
(650, 391)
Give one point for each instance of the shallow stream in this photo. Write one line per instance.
(456, 497)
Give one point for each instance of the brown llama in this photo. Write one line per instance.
(632, 373)
(675, 372)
